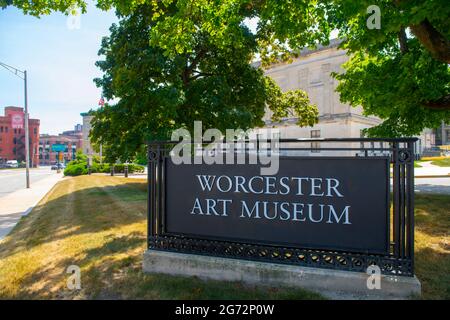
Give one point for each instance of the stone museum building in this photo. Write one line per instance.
(311, 72)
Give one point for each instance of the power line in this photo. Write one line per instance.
(13, 70)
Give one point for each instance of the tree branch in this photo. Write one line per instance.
(432, 40)
(440, 104)
(402, 39)
(190, 68)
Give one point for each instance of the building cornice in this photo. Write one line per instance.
(326, 118)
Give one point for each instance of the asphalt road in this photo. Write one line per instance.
(432, 185)
(14, 179)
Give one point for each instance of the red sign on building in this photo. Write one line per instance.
(17, 120)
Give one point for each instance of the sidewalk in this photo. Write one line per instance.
(428, 170)
(21, 202)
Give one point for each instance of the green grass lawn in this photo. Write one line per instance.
(442, 162)
(99, 223)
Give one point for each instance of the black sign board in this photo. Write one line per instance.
(312, 202)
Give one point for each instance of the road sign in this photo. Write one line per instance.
(58, 147)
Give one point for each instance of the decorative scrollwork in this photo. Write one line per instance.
(292, 256)
(152, 155)
(404, 156)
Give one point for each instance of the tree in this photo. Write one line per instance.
(43, 7)
(399, 72)
(159, 92)
(412, 44)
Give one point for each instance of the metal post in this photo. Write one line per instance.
(27, 134)
(125, 171)
(16, 72)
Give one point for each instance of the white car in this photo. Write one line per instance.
(12, 164)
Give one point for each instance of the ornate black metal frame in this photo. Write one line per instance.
(400, 260)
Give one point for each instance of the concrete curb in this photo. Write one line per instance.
(334, 284)
(432, 176)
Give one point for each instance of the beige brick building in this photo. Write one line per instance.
(311, 72)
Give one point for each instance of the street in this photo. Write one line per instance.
(432, 185)
(12, 180)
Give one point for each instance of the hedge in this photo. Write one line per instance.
(77, 167)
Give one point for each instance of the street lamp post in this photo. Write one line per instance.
(27, 133)
(17, 72)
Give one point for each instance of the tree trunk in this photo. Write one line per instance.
(432, 40)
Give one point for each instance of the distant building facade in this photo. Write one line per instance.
(442, 135)
(12, 136)
(71, 139)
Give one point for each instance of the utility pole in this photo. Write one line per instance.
(27, 133)
(18, 73)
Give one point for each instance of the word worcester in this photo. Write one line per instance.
(290, 188)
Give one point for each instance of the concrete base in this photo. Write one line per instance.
(333, 284)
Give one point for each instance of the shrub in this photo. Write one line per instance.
(75, 169)
(79, 166)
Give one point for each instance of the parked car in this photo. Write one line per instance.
(12, 164)
(58, 166)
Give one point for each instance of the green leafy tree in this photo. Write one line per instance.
(398, 72)
(43, 7)
(158, 92)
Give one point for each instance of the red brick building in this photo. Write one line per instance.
(71, 139)
(12, 136)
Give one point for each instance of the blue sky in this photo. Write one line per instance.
(59, 61)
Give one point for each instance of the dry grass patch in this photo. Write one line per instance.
(99, 223)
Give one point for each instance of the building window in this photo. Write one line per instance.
(361, 135)
(276, 136)
(6, 129)
(315, 145)
(1, 129)
(15, 131)
(35, 130)
(315, 133)
(20, 131)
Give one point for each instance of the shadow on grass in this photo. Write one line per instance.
(87, 210)
(106, 224)
(432, 251)
(101, 229)
(114, 271)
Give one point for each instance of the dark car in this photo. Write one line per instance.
(58, 166)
